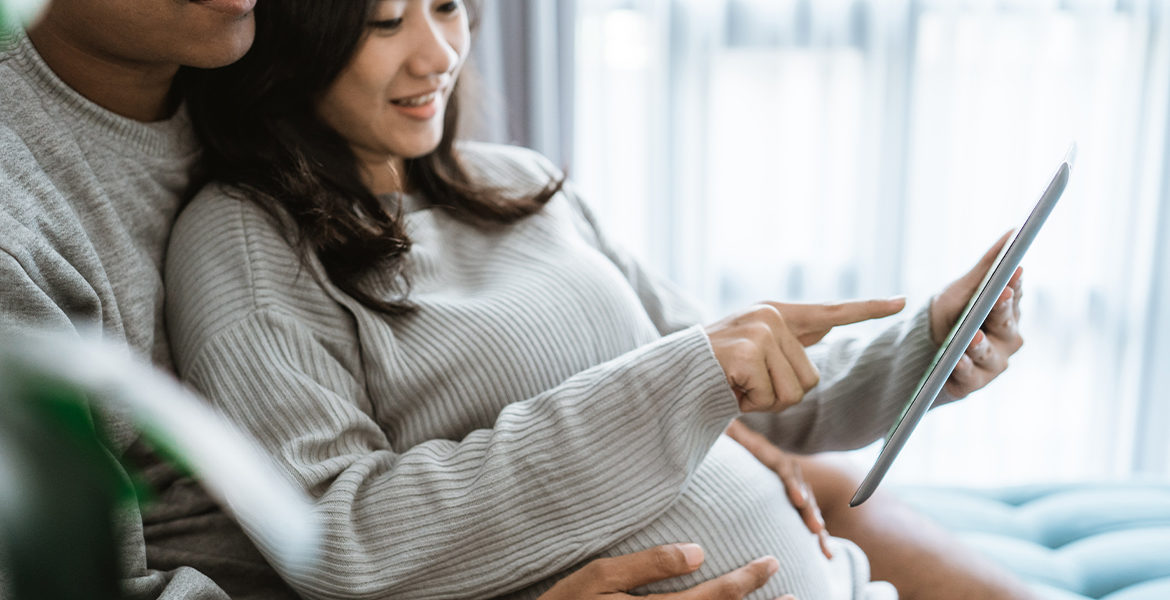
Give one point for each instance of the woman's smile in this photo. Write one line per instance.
(422, 107)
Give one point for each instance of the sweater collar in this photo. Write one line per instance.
(169, 138)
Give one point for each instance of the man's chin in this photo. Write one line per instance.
(222, 50)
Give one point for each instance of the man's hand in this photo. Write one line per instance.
(999, 337)
(761, 349)
(788, 470)
(612, 578)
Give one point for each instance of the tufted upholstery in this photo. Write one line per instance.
(1071, 541)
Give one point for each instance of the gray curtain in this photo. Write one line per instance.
(522, 76)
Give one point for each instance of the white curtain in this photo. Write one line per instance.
(521, 75)
(811, 150)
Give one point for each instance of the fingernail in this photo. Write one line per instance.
(773, 565)
(693, 554)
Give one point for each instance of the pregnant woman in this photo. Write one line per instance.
(436, 341)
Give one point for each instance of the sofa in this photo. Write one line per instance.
(1105, 541)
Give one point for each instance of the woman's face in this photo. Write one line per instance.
(389, 102)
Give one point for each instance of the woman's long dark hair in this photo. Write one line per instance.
(261, 135)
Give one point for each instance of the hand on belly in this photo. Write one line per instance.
(737, 510)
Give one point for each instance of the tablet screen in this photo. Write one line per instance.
(950, 339)
(964, 330)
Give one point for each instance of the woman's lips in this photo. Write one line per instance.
(420, 107)
(235, 8)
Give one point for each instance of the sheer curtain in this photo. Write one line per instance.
(521, 75)
(830, 149)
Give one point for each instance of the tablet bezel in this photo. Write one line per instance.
(964, 330)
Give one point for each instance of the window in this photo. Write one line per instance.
(810, 151)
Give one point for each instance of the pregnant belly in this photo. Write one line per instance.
(737, 510)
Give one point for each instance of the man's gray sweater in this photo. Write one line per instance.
(87, 200)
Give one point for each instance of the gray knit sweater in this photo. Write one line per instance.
(87, 200)
(549, 402)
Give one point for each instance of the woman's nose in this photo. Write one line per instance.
(436, 51)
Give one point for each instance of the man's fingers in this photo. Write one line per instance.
(788, 470)
(806, 504)
(732, 586)
(757, 444)
(823, 537)
(797, 490)
(811, 512)
(626, 572)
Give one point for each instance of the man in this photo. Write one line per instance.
(94, 159)
(93, 162)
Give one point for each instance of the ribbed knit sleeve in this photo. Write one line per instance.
(556, 478)
(864, 382)
(864, 387)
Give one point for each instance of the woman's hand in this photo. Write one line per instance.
(999, 337)
(612, 578)
(788, 470)
(761, 349)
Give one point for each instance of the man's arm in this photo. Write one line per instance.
(24, 303)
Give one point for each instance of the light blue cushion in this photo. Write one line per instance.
(1113, 561)
(1072, 541)
(1048, 592)
(1158, 589)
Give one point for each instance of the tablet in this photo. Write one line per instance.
(968, 323)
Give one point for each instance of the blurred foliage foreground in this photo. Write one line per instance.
(61, 488)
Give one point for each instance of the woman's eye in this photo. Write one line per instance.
(386, 24)
(448, 7)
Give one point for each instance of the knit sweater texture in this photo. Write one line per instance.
(87, 200)
(549, 402)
